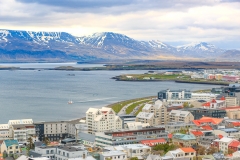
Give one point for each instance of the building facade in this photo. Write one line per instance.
(180, 116)
(99, 120)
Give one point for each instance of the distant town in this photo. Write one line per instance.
(173, 125)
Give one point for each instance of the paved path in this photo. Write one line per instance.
(123, 110)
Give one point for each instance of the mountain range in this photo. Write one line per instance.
(61, 46)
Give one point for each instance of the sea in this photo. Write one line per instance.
(43, 95)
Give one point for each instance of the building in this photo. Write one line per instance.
(184, 140)
(99, 120)
(65, 152)
(43, 151)
(86, 138)
(234, 145)
(215, 104)
(175, 127)
(4, 131)
(153, 157)
(201, 112)
(223, 144)
(232, 112)
(228, 132)
(231, 101)
(189, 152)
(132, 150)
(180, 116)
(155, 114)
(153, 142)
(21, 132)
(231, 78)
(174, 96)
(208, 123)
(203, 96)
(116, 155)
(10, 146)
(126, 119)
(122, 137)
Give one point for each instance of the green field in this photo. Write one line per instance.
(154, 77)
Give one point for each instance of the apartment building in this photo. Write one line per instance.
(223, 144)
(22, 132)
(99, 120)
(53, 130)
(154, 114)
(231, 101)
(201, 112)
(180, 116)
(120, 137)
(117, 155)
(232, 112)
(175, 96)
(65, 152)
(175, 127)
(4, 131)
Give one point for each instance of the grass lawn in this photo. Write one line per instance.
(131, 107)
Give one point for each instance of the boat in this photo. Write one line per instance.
(70, 102)
(71, 74)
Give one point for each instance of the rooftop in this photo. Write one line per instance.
(10, 142)
(187, 150)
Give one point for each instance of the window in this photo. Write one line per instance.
(10, 147)
(47, 151)
(16, 147)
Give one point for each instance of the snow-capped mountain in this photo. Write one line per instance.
(199, 49)
(22, 45)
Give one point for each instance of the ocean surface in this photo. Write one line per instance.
(43, 95)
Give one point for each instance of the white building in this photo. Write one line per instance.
(180, 116)
(22, 132)
(43, 151)
(223, 144)
(203, 96)
(99, 120)
(132, 150)
(116, 155)
(4, 131)
(66, 152)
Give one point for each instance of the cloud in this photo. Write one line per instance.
(173, 21)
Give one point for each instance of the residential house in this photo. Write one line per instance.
(228, 132)
(43, 151)
(189, 152)
(180, 116)
(215, 104)
(10, 146)
(104, 119)
(176, 154)
(153, 157)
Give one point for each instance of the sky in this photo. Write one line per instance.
(175, 22)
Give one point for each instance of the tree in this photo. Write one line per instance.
(30, 143)
(164, 147)
(185, 105)
(201, 150)
(46, 141)
(134, 158)
(230, 151)
(212, 150)
(191, 106)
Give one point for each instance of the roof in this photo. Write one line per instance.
(206, 127)
(207, 104)
(179, 113)
(234, 143)
(113, 153)
(170, 135)
(184, 136)
(147, 107)
(145, 115)
(187, 150)
(10, 142)
(225, 140)
(212, 120)
(213, 101)
(229, 130)
(236, 124)
(153, 141)
(197, 133)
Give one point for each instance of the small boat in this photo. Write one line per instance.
(70, 102)
(71, 74)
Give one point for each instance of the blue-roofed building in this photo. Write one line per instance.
(184, 140)
(10, 146)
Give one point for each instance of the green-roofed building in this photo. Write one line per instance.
(10, 146)
(184, 140)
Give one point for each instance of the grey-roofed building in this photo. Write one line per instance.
(201, 112)
(127, 118)
(65, 152)
(43, 151)
(87, 139)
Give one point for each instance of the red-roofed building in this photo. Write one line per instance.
(153, 142)
(189, 152)
(214, 104)
(234, 145)
(197, 133)
(170, 135)
(205, 122)
(236, 124)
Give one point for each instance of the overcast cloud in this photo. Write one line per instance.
(173, 21)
